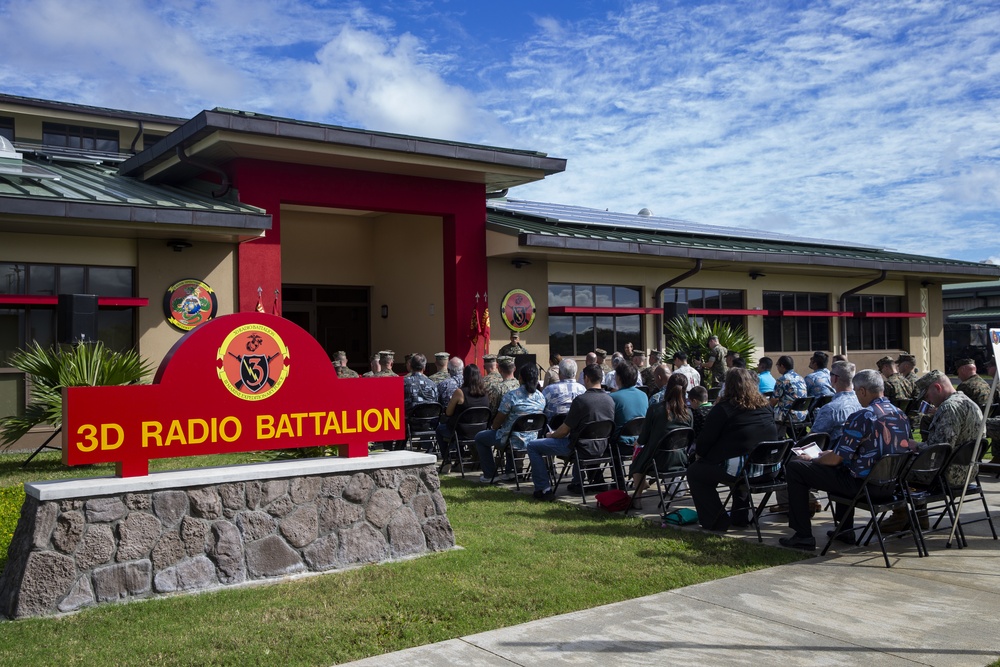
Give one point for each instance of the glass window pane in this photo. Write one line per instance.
(819, 333)
(115, 328)
(42, 325)
(13, 278)
(71, 280)
(626, 297)
(42, 279)
(604, 296)
(110, 281)
(627, 331)
(788, 339)
(894, 334)
(878, 331)
(731, 299)
(291, 293)
(12, 394)
(561, 335)
(819, 302)
(772, 301)
(583, 295)
(772, 334)
(853, 334)
(694, 297)
(605, 333)
(560, 295)
(671, 295)
(584, 334)
(11, 328)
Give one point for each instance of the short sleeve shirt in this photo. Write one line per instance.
(818, 383)
(559, 396)
(517, 403)
(872, 433)
(418, 388)
(787, 388)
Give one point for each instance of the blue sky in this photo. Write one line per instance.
(870, 121)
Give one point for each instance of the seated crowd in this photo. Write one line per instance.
(864, 413)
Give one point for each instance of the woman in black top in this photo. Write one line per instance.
(472, 394)
(735, 425)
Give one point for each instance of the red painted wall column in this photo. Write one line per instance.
(258, 261)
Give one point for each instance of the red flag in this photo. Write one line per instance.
(260, 304)
(474, 326)
(485, 329)
(274, 307)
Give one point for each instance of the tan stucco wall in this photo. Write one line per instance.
(50, 249)
(536, 277)
(399, 256)
(159, 267)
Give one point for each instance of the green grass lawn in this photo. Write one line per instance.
(521, 560)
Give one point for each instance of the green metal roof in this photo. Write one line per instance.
(552, 233)
(98, 191)
(976, 315)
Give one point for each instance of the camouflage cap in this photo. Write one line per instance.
(489, 357)
(386, 354)
(926, 381)
(655, 353)
(964, 362)
(601, 353)
(904, 356)
(442, 355)
(506, 358)
(884, 361)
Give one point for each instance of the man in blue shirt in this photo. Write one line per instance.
(877, 430)
(630, 402)
(764, 373)
(831, 417)
(559, 395)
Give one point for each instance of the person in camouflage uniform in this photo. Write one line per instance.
(514, 347)
(906, 365)
(602, 361)
(646, 374)
(446, 388)
(340, 363)
(897, 388)
(441, 361)
(972, 384)
(715, 366)
(490, 368)
(385, 359)
(507, 382)
(375, 367)
(956, 420)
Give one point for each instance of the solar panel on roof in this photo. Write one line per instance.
(562, 213)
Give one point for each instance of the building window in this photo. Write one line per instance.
(78, 136)
(798, 333)
(7, 128)
(729, 299)
(24, 324)
(149, 139)
(576, 335)
(877, 333)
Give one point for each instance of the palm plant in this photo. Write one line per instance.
(49, 370)
(687, 335)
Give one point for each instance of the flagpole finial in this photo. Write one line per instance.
(260, 290)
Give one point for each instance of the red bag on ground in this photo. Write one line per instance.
(613, 500)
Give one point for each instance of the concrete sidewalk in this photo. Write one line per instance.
(843, 609)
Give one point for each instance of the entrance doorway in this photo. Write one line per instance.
(337, 317)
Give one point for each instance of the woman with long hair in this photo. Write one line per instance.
(525, 400)
(661, 419)
(472, 394)
(736, 424)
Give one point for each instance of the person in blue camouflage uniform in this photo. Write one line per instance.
(818, 382)
(417, 387)
(788, 387)
(879, 429)
(446, 388)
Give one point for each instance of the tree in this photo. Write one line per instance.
(49, 370)
(687, 335)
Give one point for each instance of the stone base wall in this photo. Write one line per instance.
(72, 553)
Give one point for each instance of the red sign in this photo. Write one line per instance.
(237, 383)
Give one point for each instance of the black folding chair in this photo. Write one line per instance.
(923, 482)
(623, 451)
(667, 475)
(965, 454)
(797, 427)
(880, 493)
(506, 452)
(821, 440)
(421, 422)
(817, 403)
(764, 472)
(470, 423)
(591, 455)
